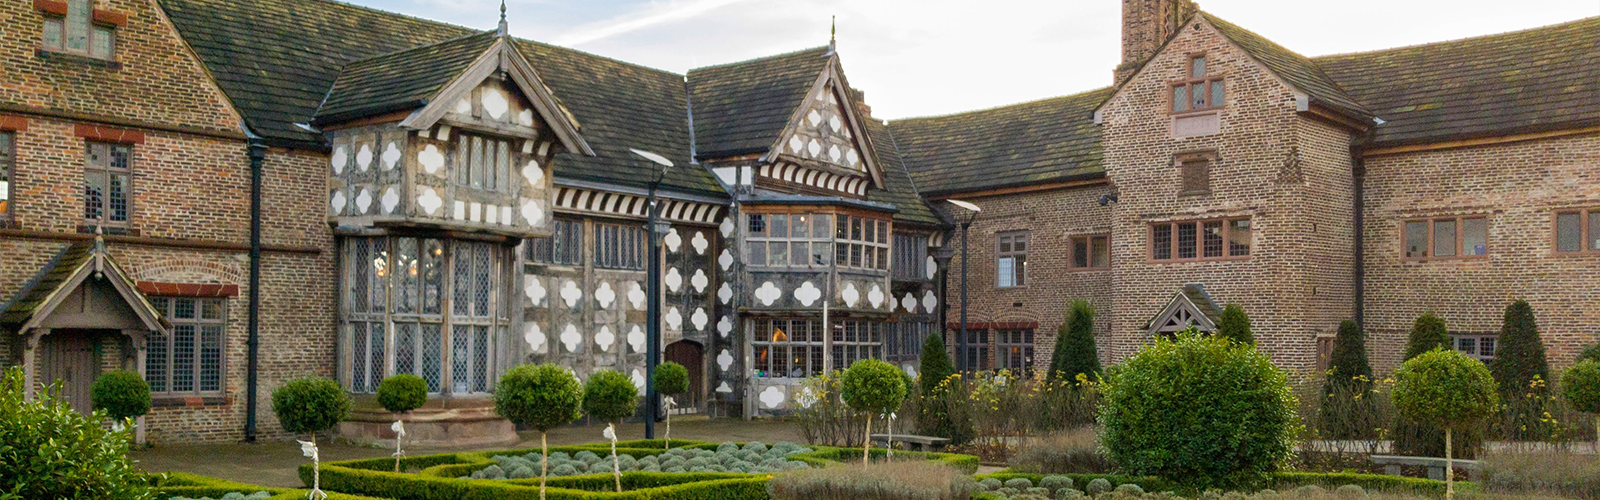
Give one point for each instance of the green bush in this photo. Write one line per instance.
(402, 393)
(1416, 439)
(310, 404)
(885, 481)
(610, 396)
(1199, 410)
(1580, 386)
(1346, 401)
(1235, 324)
(49, 450)
(1590, 354)
(1523, 375)
(875, 388)
(181, 485)
(1075, 352)
(1427, 333)
(936, 416)
(672, 378)
(121, 394)
(543, 397)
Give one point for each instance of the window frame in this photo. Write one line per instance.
(620, 258)
(909, 257)
(1588, 242)
(1005, 340)
(569, 232)
(493, 174)
(108, 171)
(168, 306)
(1478, 339)
(813, 346)
(1019, 273)
(94, 31)
(978, 349)
(1227, 224)
(875, 251)
(1088, 241)
(767, 239)
(1190, 81)
(1461, 237)
(8, 175)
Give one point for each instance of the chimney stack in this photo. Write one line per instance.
(1146, 25)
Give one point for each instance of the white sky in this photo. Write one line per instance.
(927, 57)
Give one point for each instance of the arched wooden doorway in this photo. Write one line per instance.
(692, 356)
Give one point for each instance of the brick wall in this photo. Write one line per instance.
(1517, 186)
(1281, 170)
(1051, 218)
(159, 80)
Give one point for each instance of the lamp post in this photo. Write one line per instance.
(655, 229)
(961, 343)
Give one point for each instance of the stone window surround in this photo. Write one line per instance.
(169, 351)
(1190, 81)
(1088, 241)
(1461, 235)
(1227, 250)
(1587, 239)
(109, 21)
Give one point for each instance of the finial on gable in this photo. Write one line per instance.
(503, 30)
(833, 33)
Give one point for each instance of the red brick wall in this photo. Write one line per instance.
(1281, 170)
(1518, 186)
(1051, 218)
(159, 80)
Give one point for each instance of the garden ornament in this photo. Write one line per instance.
(309, 449)
(669, 403)
(888, 449)
(616, 468)
(399, 435)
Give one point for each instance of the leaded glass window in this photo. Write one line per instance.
(188, 362)
(107, 189)
(8, 162)
(78, 33)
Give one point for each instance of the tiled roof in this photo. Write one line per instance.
(47, 283)
(278, 59)
(740, 108)
(899, 190)
(1049, 140)
(400, 80)
(1526, 81)
(1298, 70)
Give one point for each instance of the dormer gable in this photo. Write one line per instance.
(826, 133)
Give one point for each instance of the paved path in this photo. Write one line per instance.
(274, 463)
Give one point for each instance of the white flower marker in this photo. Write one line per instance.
(399, 429)
(309, 449)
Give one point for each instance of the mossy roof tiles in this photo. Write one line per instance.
(740, 108)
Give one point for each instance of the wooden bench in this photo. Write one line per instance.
(913, 442)
(1392, 464)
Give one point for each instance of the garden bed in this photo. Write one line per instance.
(178, 484)
(448, 476)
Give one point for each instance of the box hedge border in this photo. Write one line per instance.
(171, 484)
(1281, 481)
(440, 475)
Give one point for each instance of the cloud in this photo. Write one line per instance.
(659, 14)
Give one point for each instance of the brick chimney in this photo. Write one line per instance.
(1146, 25)
(860, 98)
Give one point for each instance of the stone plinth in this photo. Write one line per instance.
(442, 422)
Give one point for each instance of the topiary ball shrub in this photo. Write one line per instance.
(121, 393)
(1098, 486)
(310, 404)
(1019, 483)
(610, 396)
(1199, 410)
(1444, 388)
(542, 397)
(402, 393)
(873, 386)
(672, 378)
(1580, 385)
(990, 484)
(1054, 483)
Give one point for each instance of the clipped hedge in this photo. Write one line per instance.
(1151, 484)
(174, 484)
(1286, 480)
(438, 477)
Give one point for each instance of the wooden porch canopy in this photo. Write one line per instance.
(65, 274)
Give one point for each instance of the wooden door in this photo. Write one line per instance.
(690, 355)
(69, 359)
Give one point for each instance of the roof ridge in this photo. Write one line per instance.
(1085, 93)
(393, 13)
(1457, 40)
(597, 56)
(415, 48)
(759, 59)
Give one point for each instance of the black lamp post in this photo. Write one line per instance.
(655, 229)
(961, 342)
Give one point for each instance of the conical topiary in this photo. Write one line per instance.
(1344, 411)
(935, 364)
(1427, 333)
(1522, 373)
(1235, 324)
(1075, 352)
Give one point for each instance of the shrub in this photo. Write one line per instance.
(402, 393)
(1075, 351)
(872, 387)
(49, 450)
(309, 405)
(1523, 375)
(1417, 439)
(543, 397)
(1590, 354)
(121, 394)
(1098, 486)
(1070, 452)
(671, 379)
(1446, 389)
(610, 396)
(1581, 387)
(1345, 396)
(1553, 472)
(1235, 324)
(1199, 410)
(1427, 333)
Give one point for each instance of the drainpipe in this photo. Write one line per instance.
(257, 151)
(1359, 178)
